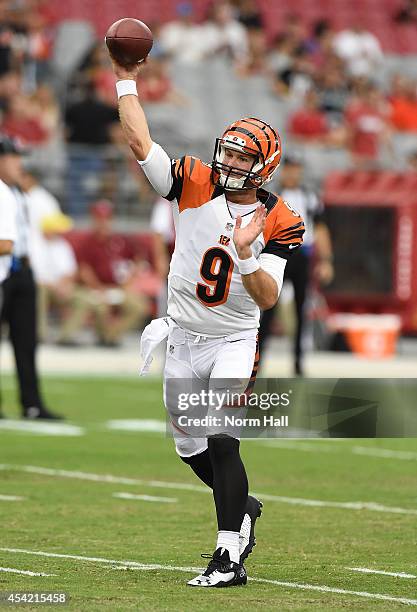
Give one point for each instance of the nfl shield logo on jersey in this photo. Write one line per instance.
(229, 227)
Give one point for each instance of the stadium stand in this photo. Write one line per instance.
(212, 92)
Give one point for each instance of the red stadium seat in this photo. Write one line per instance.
(374, 14)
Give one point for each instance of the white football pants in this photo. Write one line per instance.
(196, 364)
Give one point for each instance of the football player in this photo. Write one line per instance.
(233, 239)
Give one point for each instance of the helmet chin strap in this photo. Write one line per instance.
(229, 190)
(229, 183)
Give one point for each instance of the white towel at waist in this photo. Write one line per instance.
(152, 335)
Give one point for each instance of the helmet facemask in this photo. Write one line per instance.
(230, 177)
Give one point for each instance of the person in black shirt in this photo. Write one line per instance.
(87, 121)
(316, 247)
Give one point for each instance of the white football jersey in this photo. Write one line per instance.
(206, 294)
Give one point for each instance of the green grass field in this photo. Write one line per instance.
(298, 544)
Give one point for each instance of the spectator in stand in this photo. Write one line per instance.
(108, 265)
(295, 28)
(40, 203)
(163, 242)
(57, 277)
(88, 121)
(10, 86)
(37, 21)
(281, 54)
(95, 69)
(249, 15)
(47, 110)
(333, 91)
(54, 265)
(309, 123)
(223, 35)
(412, 161)
(21, 120)
(367, 126)
(88, 124)
(403, 104)
(407, 14)
(320, 45)
(122, 172)
(7, 57)
(28, 42)
(297, 78)
(56, 270)
(156, 85)
(256, 62)
(158, 49)
(181, 39)
(360, 50)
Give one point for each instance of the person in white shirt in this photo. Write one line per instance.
(19, 291)
(40, 203)
(233, 239)
(57, 270)
(360, 50)
(181, 39)
(223, 34)
(8, 230)
(163, 243)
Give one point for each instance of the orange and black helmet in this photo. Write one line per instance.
(250, 136)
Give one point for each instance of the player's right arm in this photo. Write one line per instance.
(132, 116)
(152, 158)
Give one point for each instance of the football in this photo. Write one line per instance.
(129, 41)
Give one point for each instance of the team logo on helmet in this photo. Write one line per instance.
(252, 137)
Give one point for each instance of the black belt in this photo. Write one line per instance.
(20, 263)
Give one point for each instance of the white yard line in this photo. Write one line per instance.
(43, 429)
(366, 570)
(148, 498)
(357, 505)
(291, 585)
(316, 447)
(39, 553)
(12, 570)
(326, 589)
(109, 478)
(308, 447)
(11, 498)
(384, 453)
(297, 501)
(151, 425)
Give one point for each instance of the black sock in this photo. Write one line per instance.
(201, 465)
(230, 483)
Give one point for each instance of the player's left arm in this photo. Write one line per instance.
(260, 285)
(263, 280)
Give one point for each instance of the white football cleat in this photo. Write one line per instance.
(220, 572)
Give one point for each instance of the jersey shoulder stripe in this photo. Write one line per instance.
(192, 185)
(284, 230)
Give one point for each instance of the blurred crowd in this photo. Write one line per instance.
(328, 78)
(332, 75)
